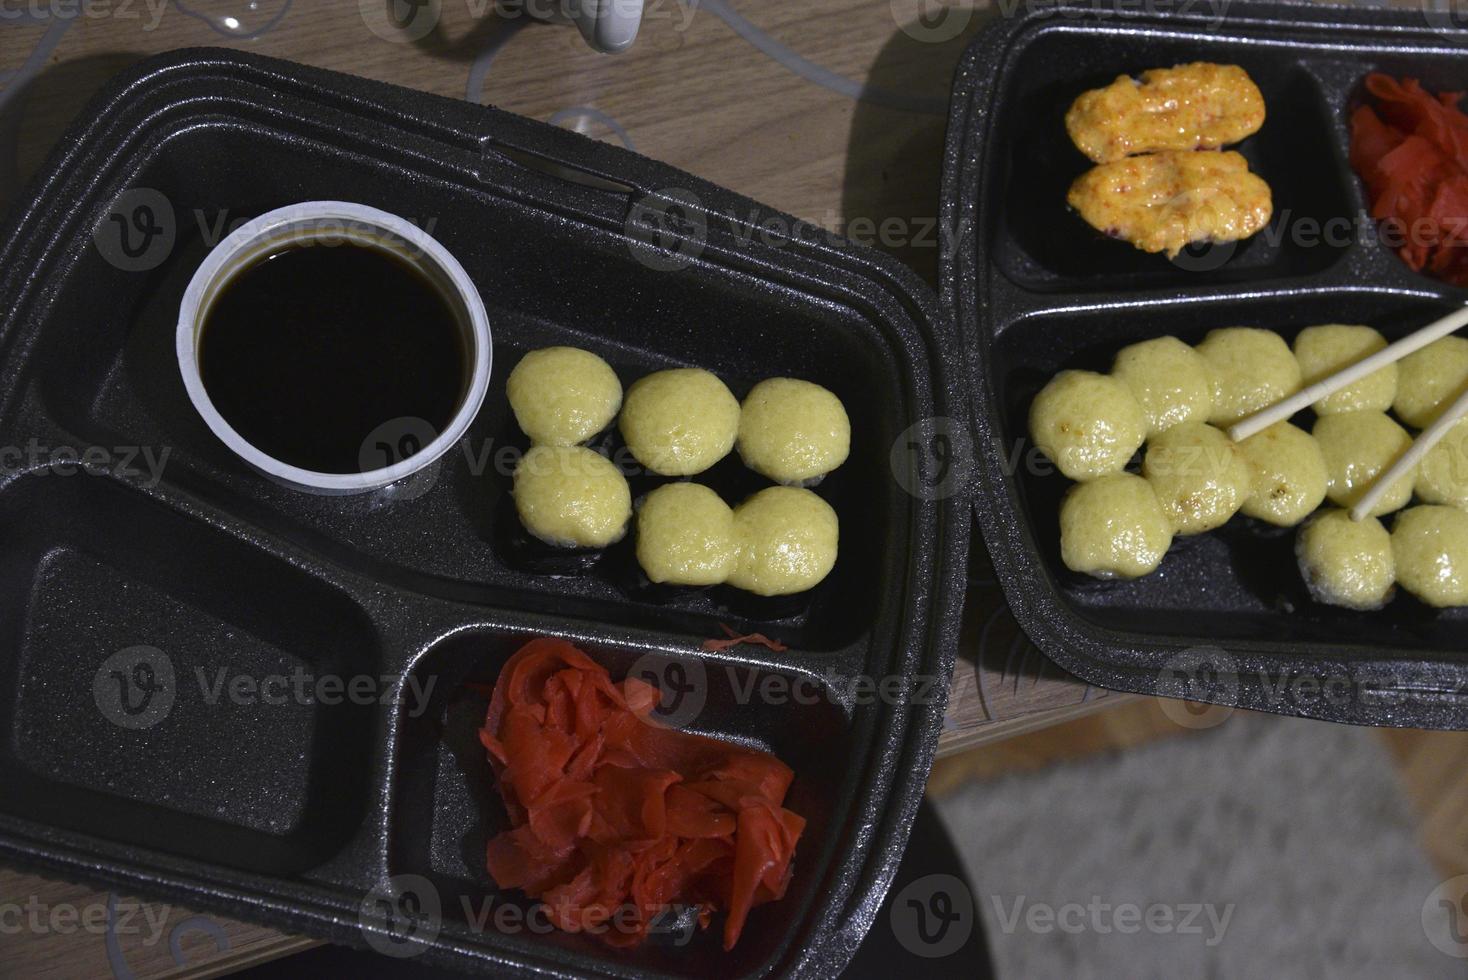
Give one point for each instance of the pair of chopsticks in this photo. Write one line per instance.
(1390, 354)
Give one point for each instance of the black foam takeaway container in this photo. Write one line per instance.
(1033, 290)
(366, 821)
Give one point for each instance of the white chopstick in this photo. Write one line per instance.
(1429, 437)
(1389, 354)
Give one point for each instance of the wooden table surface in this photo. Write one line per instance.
(832, 110)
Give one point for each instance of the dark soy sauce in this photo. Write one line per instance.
(312, 348)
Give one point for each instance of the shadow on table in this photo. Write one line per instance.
(930, 925)
(33, 117)
(37, 112)
(894, 167)
(488, 34)
(894, 160)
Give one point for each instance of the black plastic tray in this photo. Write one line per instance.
(1033, 290)
(294, 814)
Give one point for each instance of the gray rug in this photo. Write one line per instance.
(1269, 847)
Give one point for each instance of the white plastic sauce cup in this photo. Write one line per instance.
(335, 222)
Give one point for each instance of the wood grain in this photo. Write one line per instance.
(1121, 723)
(54, 929)
(1434, 771)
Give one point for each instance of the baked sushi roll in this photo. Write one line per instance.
(1332, 347)
(1198, 106)
(1088, 424)
(1169, 380)
(571, 497)
(1200, 476)
(1442, 476)
(1288, 477)
(1359, 447)
(1429, 379)
(1113, 527)
(1346, 563)
(685, 536)
(788, 541)
(793, 432)
(680, 422)
(1249, 369)
(1430, 547)
(563, 396)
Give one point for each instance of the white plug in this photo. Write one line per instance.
(609, 26)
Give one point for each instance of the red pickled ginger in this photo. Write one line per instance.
(1410, 148)
(615, 817)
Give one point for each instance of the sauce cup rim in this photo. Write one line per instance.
(345, 221)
